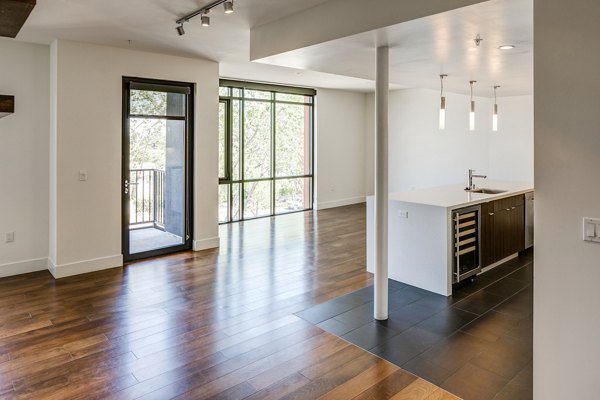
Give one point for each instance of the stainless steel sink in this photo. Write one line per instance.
(487, 191)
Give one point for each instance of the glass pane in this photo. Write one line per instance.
(236, 92)
(147, 143)
(257, 140)
(224, 203)
(292, 195)
(174, 193)
(296, 98)
(236, 123)
(292, 142)
(157, 184)
(222, 139)
(257, 94)
(257, 199)
(146, 102)
(223, 91)
(236, 202)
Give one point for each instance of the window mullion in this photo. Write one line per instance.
(242, 157)
(273, 151)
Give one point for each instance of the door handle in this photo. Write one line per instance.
(126, 183)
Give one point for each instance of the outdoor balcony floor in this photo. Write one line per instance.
(147, 239)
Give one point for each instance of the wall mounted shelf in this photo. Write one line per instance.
(7, 105)
(13, 14)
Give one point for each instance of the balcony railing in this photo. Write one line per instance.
(147, 198)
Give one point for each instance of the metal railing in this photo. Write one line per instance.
(147, 198)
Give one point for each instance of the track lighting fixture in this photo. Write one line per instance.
(443, 103)
(205, 19)
(203, 12)
(228, 7)
(472, 113)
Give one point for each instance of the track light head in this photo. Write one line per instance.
(228, 6)
(180, 30)
(205, 20)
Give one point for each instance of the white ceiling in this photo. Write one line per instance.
(150, 25)
(421, 49)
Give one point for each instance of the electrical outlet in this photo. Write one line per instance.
(9, 237)
(402, 214)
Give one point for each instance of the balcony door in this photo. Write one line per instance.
(157, 161)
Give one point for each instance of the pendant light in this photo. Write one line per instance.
(443, 103)
(495, 115)
(472, 113)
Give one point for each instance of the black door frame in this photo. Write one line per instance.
(189, 169)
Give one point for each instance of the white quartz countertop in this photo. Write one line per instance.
(455, 196)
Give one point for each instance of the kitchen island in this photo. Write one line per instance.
(421, 247)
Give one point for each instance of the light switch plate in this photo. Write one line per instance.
(591, 230)
(83, 175)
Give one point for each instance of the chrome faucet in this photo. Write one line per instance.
(471, 176)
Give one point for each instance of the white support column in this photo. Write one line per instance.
(381, 183)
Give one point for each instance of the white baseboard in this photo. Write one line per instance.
(340, 203)
(23, 267)
(83, 267)
(206, 244)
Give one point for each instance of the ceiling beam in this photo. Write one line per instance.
(13, 14)
(336, 19)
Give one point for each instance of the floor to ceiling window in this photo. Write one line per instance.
(265, 150)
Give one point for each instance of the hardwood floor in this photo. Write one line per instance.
(213, 324)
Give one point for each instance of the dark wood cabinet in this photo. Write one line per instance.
(502, 229)
(488, 240)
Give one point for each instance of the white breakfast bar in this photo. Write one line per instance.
(420, 231)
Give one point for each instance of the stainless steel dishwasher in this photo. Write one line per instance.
(529, 198)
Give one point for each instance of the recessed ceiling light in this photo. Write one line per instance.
(507, 47)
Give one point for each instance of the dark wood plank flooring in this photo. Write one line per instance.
(213, 324)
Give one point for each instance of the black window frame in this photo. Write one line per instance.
(242, 86)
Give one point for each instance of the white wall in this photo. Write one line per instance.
(86, 216)
(422, 155)
(567, 160)
(511, 148)
(24, 138)
(340, 155)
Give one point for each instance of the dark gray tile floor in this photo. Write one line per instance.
(477, 344)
